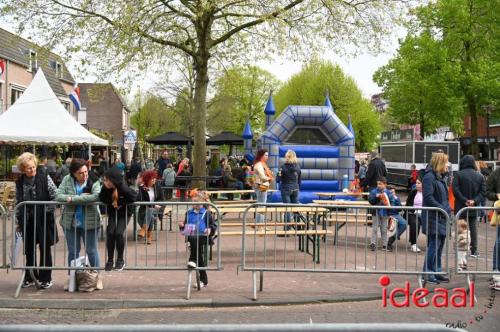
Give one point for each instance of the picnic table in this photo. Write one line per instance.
(235, 191)
(340, 203)
(347, 194)
(305, 226)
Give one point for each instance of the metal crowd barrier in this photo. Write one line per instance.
(331, 239)
(166, 249)
(484, 238)
(3, 219)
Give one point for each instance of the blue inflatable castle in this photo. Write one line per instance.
(323, 144)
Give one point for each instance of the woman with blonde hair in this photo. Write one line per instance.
(36, 222)
(289, 179)
(435, 194)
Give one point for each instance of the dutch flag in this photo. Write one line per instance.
(75, 97)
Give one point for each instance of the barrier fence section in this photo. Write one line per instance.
(316, 238)
(58, 229)
(477, 244)
(3, 219)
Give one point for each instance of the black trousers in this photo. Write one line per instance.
(45, 259)
(198, 245)
(472, 221)
(414, 223)
(115, 237)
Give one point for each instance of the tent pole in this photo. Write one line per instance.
(90, 153)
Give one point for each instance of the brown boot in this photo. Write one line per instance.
(142, 231)
(150, 237)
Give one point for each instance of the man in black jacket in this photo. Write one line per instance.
(376, 170)
(469, 189)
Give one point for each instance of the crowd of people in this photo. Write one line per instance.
(76, 183)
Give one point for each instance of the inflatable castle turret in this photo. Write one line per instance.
(324, 146)
(247, 138)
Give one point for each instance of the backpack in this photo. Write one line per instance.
(196, 223)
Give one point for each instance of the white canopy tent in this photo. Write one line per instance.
(38, 117)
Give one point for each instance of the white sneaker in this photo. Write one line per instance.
(202, 285)
(191, 265)
(414, 248)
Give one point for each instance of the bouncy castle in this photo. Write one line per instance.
(323, 144)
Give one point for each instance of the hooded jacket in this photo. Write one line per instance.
(376, 169)
(125, 195)
(435, 194)
(493, 185)
(468, 184)
(290, 177)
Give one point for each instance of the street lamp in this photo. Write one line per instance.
(487, 109)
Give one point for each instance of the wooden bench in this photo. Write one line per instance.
(237, 202)
(267, 224)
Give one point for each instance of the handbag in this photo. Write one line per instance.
(494, 219)
(86, 280)
(262, 187)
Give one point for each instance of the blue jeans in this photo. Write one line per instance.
(261, 198)
(289, 197)
(402, 224)
(89, 238)
(435, 244)
(496, 252)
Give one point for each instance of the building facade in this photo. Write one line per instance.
(106, 111)
(19, 61)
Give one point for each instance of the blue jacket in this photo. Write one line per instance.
(435, 194)
(374, 200)
(200, 221)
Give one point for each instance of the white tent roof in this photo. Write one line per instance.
(38, 117)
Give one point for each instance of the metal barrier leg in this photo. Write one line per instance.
(261, 280)
(32, 274)
(18, 289)
(198, 286)
(189, 279)
(254, 285)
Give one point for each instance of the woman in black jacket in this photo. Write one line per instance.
(36, 222)
(116, 195)
(289, 177)
(149, 191)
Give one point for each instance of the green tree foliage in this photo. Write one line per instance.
(240, 94)
(308, 88)
(447, 67)
(421, 85)
(134, 36)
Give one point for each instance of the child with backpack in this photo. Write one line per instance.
(197, 226)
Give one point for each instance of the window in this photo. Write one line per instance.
(33, 61)
(59, 70)
(312, 136)
(67, 106)
(124, 120)
(15, 93)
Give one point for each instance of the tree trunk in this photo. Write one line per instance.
(200, 119)
(471, 106)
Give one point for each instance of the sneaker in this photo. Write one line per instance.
(496, 285)
(387, 248)
(414, 248)
(192, 265)
(474, 255)
(442, 278)
(432, 280)
(109, 266)
(373, 246)
(46, 284)
(120, 264)
(27, 284)
(202, 285)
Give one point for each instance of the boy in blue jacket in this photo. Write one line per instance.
(380, 196)
(198, 226)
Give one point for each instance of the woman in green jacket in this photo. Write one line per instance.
(80, 222)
